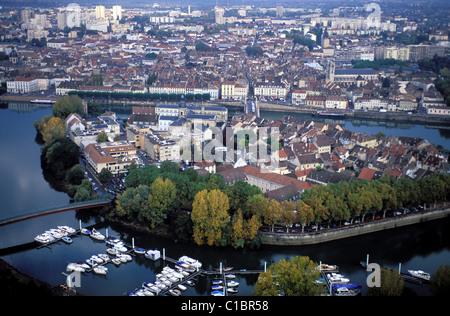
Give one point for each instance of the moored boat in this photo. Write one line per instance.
(139, 250)
(100, 270)
(232, 283)
(420, 274)
(67, 240)
(85, 231)
(97, 235)
(39, 101)
(232, 290)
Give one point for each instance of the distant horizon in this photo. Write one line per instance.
(201, 3)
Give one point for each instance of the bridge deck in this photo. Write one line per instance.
(54, 210)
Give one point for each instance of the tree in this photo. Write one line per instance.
(132, 204)
(238, 233)
(289, 214)
(66, 105)
(254, 51)
(265, 285)
(209, 216)
(239, 193)
(51, 129)
(161, 201)
(60, 156)
(305, 214)
(102, 137)
(75, 175)
(105, 175)
(391, 284)
(295, 277)
(440, 282)
(84, 191)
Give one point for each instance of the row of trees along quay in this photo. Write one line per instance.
(204, 209)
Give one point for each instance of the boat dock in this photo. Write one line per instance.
(405, 276)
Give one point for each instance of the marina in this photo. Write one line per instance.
(179, 274)
(171, 281)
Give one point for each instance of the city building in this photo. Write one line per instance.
(115, 156)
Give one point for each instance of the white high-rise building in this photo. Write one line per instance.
(100, 12)
(219, 12)
(117, 12)
(61, 18)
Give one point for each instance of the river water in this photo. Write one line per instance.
(24, 188)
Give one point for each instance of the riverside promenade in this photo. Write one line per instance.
(367, 227)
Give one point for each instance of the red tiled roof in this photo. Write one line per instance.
(367, 174)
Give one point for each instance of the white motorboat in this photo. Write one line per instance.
(232, 283)
(232, 290)
(85, 231)
(96, 235)
(104, 257)
(420, 274)
(100, 270)
(97, 259)
(116, 261)
(230, 276)
(44, 238)
(68, 229)
(75, 267)
(328, 267)
(175, 292)
(153, 254)
(182, 287)
(112, 251)
(190, 283)
(191, 262)
(337, 278)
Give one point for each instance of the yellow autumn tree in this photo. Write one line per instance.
(239, 233)
(161, 201)
(51, 128)
(209, 216)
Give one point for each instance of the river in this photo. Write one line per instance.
(24, 188)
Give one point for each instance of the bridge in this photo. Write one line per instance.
(54, 210)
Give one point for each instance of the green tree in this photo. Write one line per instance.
(102, 137)
(209, 217)
(440, 281)
(75, 175)
(105, 175)
(239, 193)
(132, 204)
(84, 191)
(66, 105)
(60, 156)
(295, 277)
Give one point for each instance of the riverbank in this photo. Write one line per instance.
(413, 118)
(292, 239)
(15, 282)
